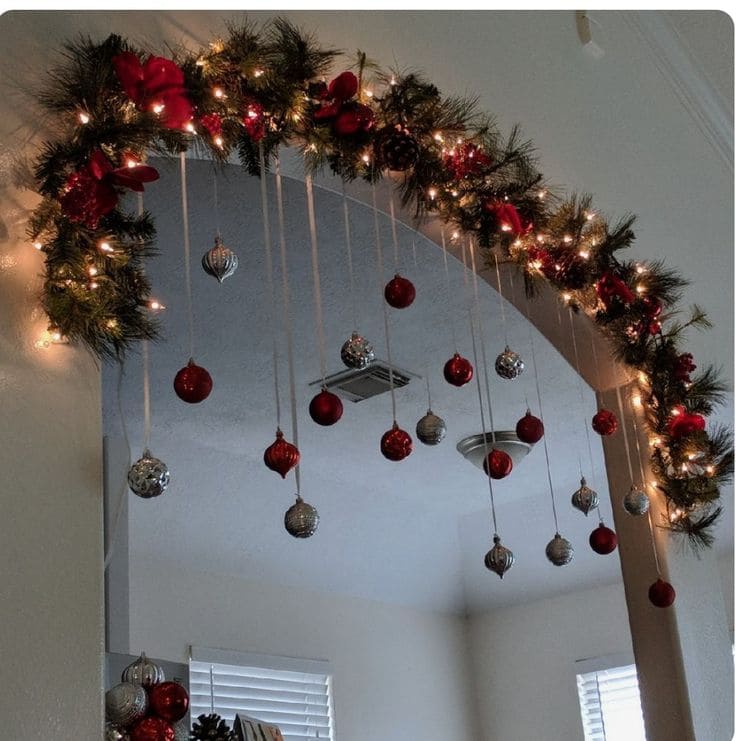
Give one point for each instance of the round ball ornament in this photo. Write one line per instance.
(152, 729)
(399, 149)
(113, 733)
(399, 292)
(125, 703)
(220, 262)
(529, 429)
(148, 477)
(325, 408)
(357, 352)
(458, 370)
(169, 700)
(396, 444)
(636, 502)
(301, 519)
(143, 671)
(605, 422)
(584, 498)
(499, 559)
(559, 551)
(182, 730)
(498, 464)
(281, 456)
(603, 540)
(431, 429)
(509, 364)
(193, 383)
(661, 593)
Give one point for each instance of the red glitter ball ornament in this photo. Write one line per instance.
(193, 383)
(605, 422)
(152, 729)
(396, 444)
(458, 370)
(168, 700)
(603, 540)
(661, 593)
(498, 464)
(281, 456)
(529, 429)
(325, 408)
(399, 292)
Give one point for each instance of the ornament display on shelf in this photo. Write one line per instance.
(399, 292)
(509, 364)
(605, 422)
(498, 464)
(357, 352)
(661, 593)
(603, 540)
(559, 551)
(168, 700)
(636, 501)
(148, 477)
(325, 408)
(143, 671)
(281, 456)
(152, 729)
(301, 519)
(125, 703)
(113, 733)
(499, 559)
(219, 261)
(584, 498)
(396, 444)
(529, 429)
(458, 370)
(431, 429)
(193, 383)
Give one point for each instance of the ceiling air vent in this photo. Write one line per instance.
(357, 385)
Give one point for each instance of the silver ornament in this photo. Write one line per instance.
(182, 730)
(301, 519)
(113, 733)
(499, 559)
(509, 364)
(636, 502)
(143, 671)
(148, 477)
(357, 352)
(125, 703)
(559, 551)
(584, 498)
(431, 429)
(220, 262)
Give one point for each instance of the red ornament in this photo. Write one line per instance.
(353, 119)
(458, 370)
(152, 729)
(684, 366)
(325, 408)
(281, 456)
(498, 464)
(507, 217)
(529, 429)
(466, 159)
(651, 306)
(399, 292)
(605, 422)
(683, 423)
(343, 87)
(661, 593)
(253, 121)
(157, 85)
(603, 540)
(212, 122)
(168, 700)
(193, 383)
(396, 444)
(610, 287)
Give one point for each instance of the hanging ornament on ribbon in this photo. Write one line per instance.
(148, 477)
(636, 502)
(498, 464)
(325, 408)
(396, 444)
(509, 364)
(559, 551)
(662, 593)
(499, 559)
(193, 383)
(584, 498)
(431, 429)
(220, 261)
(458, 370)
(603, 540)
(301, 519)
(399, 291)
(281, 456)
(605, 422)
(529, 429)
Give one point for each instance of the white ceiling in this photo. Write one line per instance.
(620, 126)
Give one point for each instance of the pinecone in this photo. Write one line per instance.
(211, 728)
(399, 149)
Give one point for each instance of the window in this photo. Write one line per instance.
(610, 704)
(293, 694)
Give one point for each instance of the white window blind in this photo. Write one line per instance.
(293, 694)
(610, 705)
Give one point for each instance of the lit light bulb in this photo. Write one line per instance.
(584, 254)
(392, 81)
(640, 269)
(92, 270)
(366, 158)
(655, 442)
(258, 72)
(155, 305)
(432, 193)
(641, 289)
(84, 118)
(675, 412)
(567, 239)
(131, 163)
(190, 128)
(636, 400)
(105, 247)
(454, 194)
(38, 245)
(505, 227)
(542, 195)
(438, 136)
(566, 297)
(455, 236)
(111, 324)
(94, 284)
(368, 93)
(589, 215)
(218, 141)
(709, 470)
(218, 92)
(157, 108)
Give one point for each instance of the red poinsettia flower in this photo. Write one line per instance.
(157, 85)
(683, 423)
(610, 287)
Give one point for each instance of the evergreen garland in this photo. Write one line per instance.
(266, 87)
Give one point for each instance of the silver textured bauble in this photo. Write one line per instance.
(143, 671)
(357, 352)
(431, 429)
(636, 502)
(509, 364)
(220, 262)
(113, 733)
(559, 551)
(584, 498)
(301, 519)
(148, 477)
(499, 559)
(182, 729)
(125, 703)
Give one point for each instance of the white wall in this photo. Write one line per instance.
(398, 673)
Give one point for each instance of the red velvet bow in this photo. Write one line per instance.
(683, 423)
(158, 82)
(508, 218)
(348, 116)
(610, 286)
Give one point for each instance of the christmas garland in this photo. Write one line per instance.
(266, 87)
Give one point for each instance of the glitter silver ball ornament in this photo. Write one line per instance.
(584, 498)
(143, 671)
(220, 261)
(301, 519)
(182, 730)
(148, 477)
(509, 364)
(499, 559)
(559, 551)
(431, 429)
(636, 502)
(125, 703)
(357, 352)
